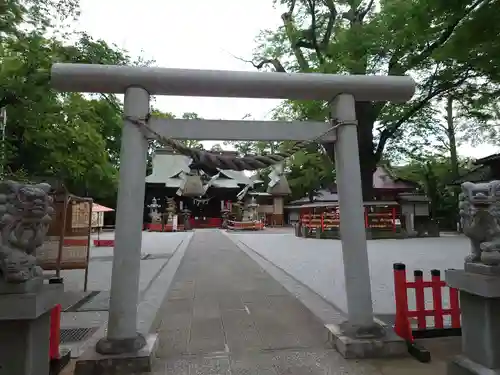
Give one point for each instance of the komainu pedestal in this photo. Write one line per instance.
(479, 282)
(25, 329)
(25, 301)
(480, 305)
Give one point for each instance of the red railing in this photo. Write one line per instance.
(382, 219)
(104, 243)
(439, 313)
(326, 220)
(385, 220)
(245, 225)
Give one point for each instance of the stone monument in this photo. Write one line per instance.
(250, 211)
(25, 301)
(225, 218)
(153, 211)
(186, 214)
(237, 210)
(479, 281)
(170, 210)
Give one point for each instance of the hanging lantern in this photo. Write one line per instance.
(193, 186)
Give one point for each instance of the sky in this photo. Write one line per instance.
(195, 34)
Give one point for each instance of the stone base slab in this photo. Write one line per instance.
(30, 286)
(481, 268)
(29, 306)
(93, 363)
(461, 365)
(484, 285)
(390, 345)
(25, 328)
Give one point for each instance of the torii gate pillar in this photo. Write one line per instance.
(352, 232)
(122, 335)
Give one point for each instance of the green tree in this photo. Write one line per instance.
(308, 172)
(216, 148)
(434, 176)
(396, 37)
(71, 137)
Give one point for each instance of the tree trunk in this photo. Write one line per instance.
(367, 160)
(431, 189)
(365, 113)
(450, 132)
(310, 195)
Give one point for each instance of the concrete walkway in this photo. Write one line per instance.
(226, 315)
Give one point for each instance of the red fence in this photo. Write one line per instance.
(245, 225)
(446, 317)
(382, 219)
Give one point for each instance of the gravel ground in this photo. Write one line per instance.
(318, 263)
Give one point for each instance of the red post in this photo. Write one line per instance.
(455, 308)
(420, 299)
(402, 325)
(394, 219)
(55, 332)
(437, 298)
(366, 217)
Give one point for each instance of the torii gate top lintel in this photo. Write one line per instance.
(223, 83)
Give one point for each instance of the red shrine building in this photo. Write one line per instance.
(396, 204)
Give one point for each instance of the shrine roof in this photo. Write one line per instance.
(488, 159)
(100, 208)
(384, 178)
(167, 167)
(481, 173)
(322, 195)
(413, 197)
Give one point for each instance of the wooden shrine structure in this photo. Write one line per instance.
(67, 245)
(223, 189)
(395, 211)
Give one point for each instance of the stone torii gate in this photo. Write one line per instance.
(138, 83)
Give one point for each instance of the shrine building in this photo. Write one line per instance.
(396, 205)
(223, 188)
(485, 170)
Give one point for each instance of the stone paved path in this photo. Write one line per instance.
(226, 315)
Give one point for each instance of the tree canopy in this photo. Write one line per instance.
(447, 47)
(444, 46)
(70, 137)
